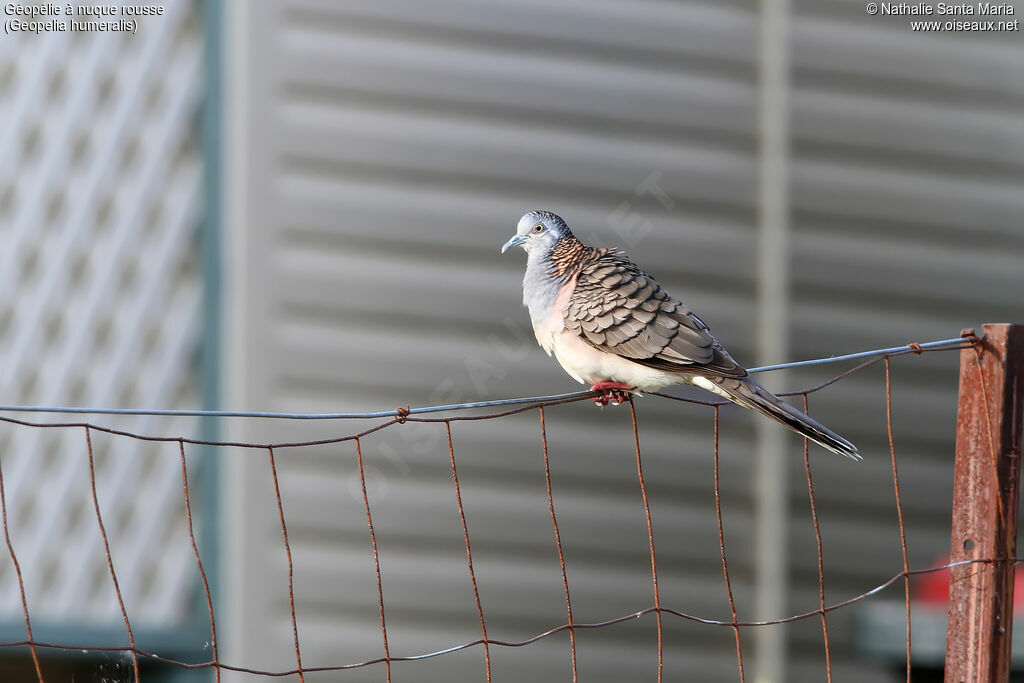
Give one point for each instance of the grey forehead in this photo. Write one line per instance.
(532, 218)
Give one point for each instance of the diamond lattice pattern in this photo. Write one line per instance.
(99, 207)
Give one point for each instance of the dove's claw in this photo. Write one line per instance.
(615, 393)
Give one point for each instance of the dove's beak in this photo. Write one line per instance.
(516, 241)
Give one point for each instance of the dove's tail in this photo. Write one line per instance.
(749, 394)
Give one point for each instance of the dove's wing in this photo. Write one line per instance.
(619, 309)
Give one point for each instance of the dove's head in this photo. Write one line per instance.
(538, 232)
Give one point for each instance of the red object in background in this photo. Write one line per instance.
(933, 587)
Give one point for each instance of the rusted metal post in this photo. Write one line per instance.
(986, 486)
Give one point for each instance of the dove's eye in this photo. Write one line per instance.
(539, 227)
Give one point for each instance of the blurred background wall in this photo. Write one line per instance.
(101, 201)
(318, 199)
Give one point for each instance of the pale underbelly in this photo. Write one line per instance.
(588, 365)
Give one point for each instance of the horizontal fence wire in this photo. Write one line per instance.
(154, 657)
(943, 345)
(402, 416)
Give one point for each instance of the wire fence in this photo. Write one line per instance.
(395, 418)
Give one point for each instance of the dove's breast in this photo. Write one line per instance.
(584, 362)
(589, 365)
(549, 320)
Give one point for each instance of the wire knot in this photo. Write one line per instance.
(969, 334)
(403, 414)
(916, 348)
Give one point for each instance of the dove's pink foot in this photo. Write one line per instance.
(613, 392)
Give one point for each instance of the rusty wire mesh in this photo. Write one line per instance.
(485, 642)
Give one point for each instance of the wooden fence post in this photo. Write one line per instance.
(986, 488)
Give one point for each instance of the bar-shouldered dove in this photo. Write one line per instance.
(611, 325)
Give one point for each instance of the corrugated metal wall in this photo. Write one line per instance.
(908, 163)
(380, 153)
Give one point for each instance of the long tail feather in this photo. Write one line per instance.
(748, 393)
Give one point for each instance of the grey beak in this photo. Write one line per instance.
(514, 242)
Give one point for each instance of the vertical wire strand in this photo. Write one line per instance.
(725, 564)
(558, 544)
(650, 537)
(821, 556)
(199, 561)
(469, 553)
(899, 506)
(291, 566)
(106, 548)
(376, 559)
(21, 580)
